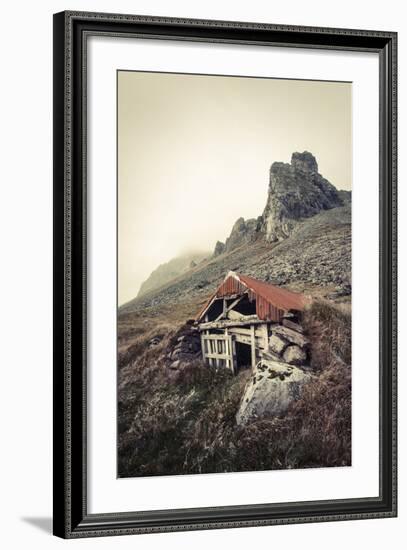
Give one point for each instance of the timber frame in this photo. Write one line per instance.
(224, 324)
(220, 349)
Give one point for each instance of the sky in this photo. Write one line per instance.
(194, 153)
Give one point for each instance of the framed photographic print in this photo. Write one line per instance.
(224, 274)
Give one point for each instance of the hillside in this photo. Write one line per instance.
(170, 270)
(302, 239)
(317, 254)
(178, 415)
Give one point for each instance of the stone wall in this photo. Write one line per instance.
(288, 343)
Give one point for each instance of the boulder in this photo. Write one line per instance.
(277, 344)
(289, 335)
(293, 325)
(272, 388)
(294, 355)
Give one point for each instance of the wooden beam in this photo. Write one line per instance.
(228, 308)
(253, 347)
(214, 336)
(265, 336)
(233, 353)
(203, 344)
(230, 323)
(248, 341)
(216, 355)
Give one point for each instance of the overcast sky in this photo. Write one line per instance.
(194, 154)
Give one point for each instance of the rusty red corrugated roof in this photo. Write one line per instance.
(275, 296)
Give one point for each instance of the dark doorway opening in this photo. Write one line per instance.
(243, 356)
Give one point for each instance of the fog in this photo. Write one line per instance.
(194, 154)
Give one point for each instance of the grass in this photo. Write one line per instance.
(185, 423)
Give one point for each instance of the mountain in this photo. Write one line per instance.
(316, 256)
(302, 239)
(177, 416)
(170, 270)
(296, 191)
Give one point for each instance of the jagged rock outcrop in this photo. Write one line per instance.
(317, 253)
(296, 191)
(219, 249)
(243, 231)
(272, 388)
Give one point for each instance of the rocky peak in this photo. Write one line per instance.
(304, 162)
(243, 231)
(296, 191)
(219, 248)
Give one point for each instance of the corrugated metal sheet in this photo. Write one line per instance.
(271, 301)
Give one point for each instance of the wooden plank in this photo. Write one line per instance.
(214, 337)
(216, 355)
(261, 331)
(218, 349)
(253, 347)
(209, 344)
(235, 315)
(227, 348)
(240, 330)
(203, 347)
(234, 361)
(265, 337)
(294, 326)
(227, 308)
(230, 323)
(243, 339)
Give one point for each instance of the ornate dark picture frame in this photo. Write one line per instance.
(71, 517)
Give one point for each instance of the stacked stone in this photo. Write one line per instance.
(186, 348)
(288, 343)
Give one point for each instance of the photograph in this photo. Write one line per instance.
(234, 274)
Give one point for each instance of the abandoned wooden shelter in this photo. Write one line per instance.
(246, 320)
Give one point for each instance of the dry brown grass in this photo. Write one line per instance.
(329, 328)
(186, 424)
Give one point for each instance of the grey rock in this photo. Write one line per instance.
(277, 345)
(317, 252)
(289, 335)
(273, 387)
(219, 249)
(346, 196)
(296, 191)
(294, 355)
(292, 325)
(243, 232)
(154, 342)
